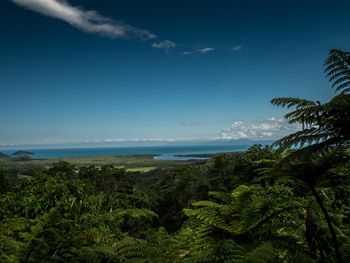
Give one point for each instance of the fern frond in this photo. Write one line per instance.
(208, 217)
(290, 102)
(261, 254)
(129, 249)
(338, 70)
(221, 196)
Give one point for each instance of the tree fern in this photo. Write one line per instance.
(338, 70)
(323, 125)
(253, 212)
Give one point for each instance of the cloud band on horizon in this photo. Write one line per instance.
(272, 128)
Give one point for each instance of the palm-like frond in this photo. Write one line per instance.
(323, 125)
(290, 102)
(253, 212)
(338, 70)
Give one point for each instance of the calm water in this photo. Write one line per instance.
(161, 152)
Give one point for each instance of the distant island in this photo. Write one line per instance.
(21, 153)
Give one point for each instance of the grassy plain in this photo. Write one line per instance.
(133, 163)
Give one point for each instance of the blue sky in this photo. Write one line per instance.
(76, 71)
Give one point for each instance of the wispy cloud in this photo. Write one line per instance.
(266, 129)
(198, 50)
(164, 44)
(205, 50)
(138, 140)
(86, 20)
(6, 144)
(194, 123)
(186, 53)
(236, 48)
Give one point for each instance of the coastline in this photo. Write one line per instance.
(129, 162)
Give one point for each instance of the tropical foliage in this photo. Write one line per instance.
(323, 125)
(268, 204)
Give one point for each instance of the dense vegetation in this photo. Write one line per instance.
(269, 204)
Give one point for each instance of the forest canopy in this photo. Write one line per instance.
(268, 204)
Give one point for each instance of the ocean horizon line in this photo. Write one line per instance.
(48, 153)
(130, 144)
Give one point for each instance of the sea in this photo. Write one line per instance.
(192, 152)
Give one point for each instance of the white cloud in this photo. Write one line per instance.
(112, 140)
(164, 44)
(237, 48)
(6, 144)
(137, 140)
(205, 50)
(86, 20)
(191, 123)
(267, 129)
(198, 50)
